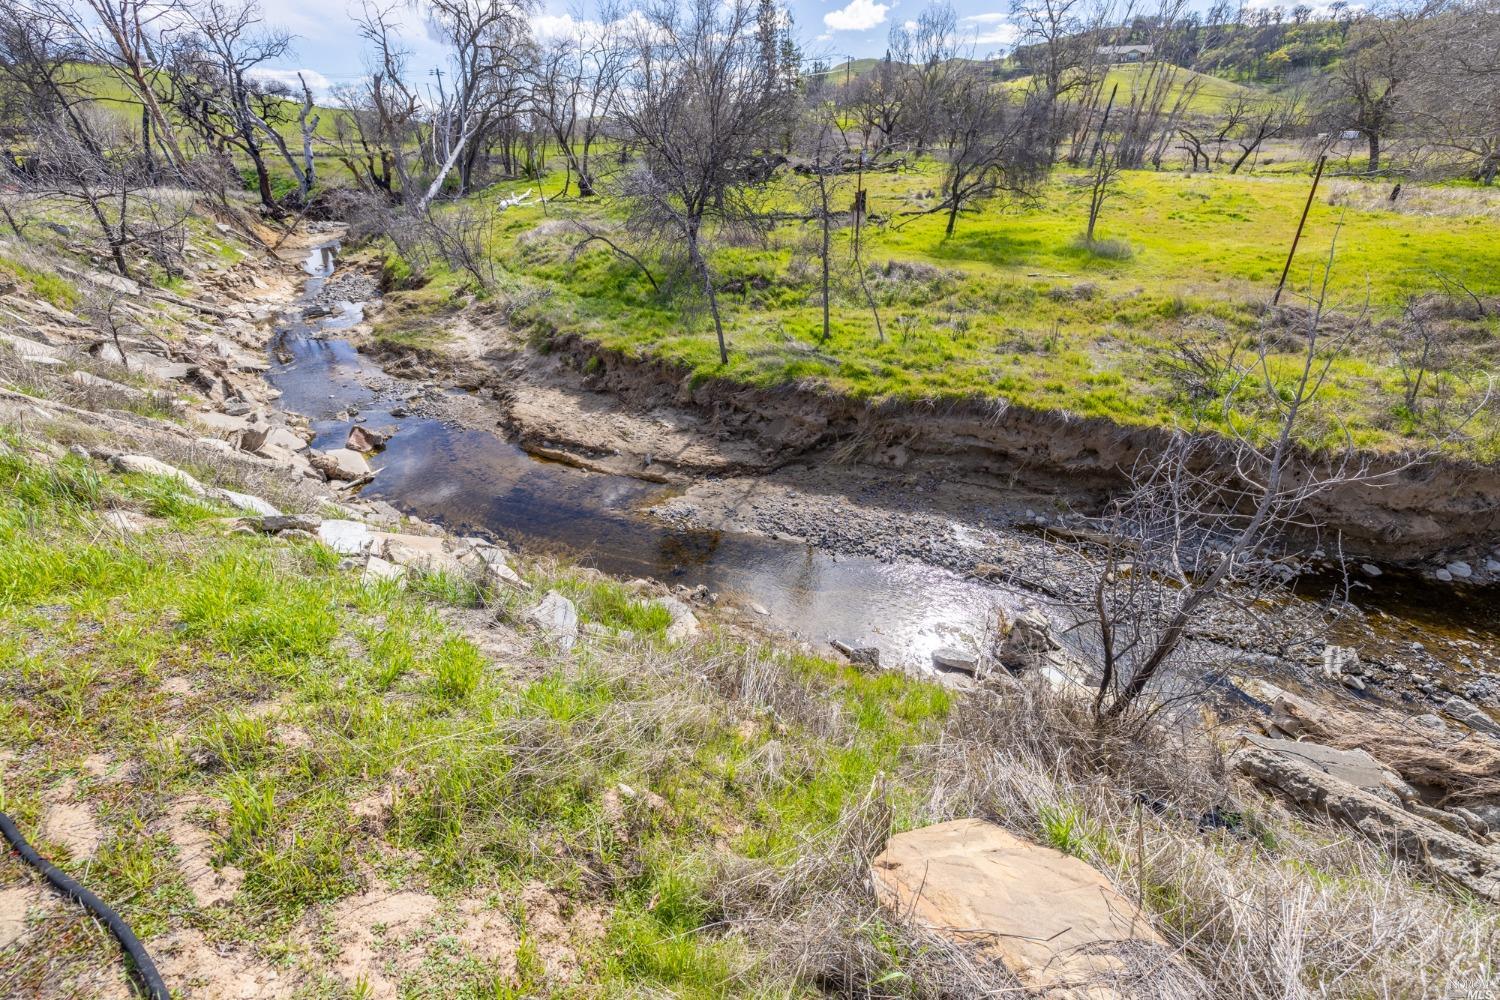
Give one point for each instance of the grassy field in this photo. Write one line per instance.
(298, 785)
(1014, 305)
(1209, 96)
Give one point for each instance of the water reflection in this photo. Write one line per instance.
(474, 481)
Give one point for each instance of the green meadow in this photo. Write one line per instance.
(1014, 305)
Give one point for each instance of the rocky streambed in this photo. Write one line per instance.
(904, 562)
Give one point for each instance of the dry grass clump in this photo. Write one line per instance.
(1260, 903)
(1417, 199)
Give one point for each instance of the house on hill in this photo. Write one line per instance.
(1126, 53)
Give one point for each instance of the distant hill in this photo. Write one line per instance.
(108, 92)
(1211, 94)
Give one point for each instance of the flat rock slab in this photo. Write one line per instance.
(424, 553)
(349, 538)
(1051, 920)
(954, 660)
(245, 502)
(342, 463)
(1353, 767)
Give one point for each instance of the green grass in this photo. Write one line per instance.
(50, 287)
(1210, 93)
(498, 779)
(1014, 305)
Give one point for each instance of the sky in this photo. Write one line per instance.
(329, 51)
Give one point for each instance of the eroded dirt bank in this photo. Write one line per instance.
(737, 467)
(648, 418)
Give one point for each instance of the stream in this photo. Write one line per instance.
(476, 481)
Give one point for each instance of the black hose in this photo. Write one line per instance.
(144, 967)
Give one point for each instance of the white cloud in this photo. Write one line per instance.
(860, 15)
(549, 26)
(993, 28)
(317, 81)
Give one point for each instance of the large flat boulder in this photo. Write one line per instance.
(1050, 919)
(349, 538)
(341, 463)
(1354, 767)
(1408, 835)
(424, 553)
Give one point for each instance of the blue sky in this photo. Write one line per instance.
(329, 48)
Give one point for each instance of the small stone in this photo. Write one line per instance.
(273, 523)
(1460, 570)
(760, 609)
(868, 656)
(557, 618)
(955, 660)
(1370, 569)
(366, 439)
(683, 624)
(1444, 575)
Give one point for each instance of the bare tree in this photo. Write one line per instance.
(1383, 54)
(126, 37)
(574, 84)
(823, 149)
(1261, 120)
(40, 74)
(1104, 176)
(483, 38)
(929, 49)
(1058, 47)
(1184, 539)
(701, 102)
(213, 77)
(1187, 542)
(1455, 101)
(874, 100)
(989, 143)
(106, 175)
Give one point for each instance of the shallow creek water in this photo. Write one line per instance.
(478, 482)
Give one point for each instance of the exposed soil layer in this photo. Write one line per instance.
(648, 416)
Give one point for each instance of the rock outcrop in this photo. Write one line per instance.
(1054, 922)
